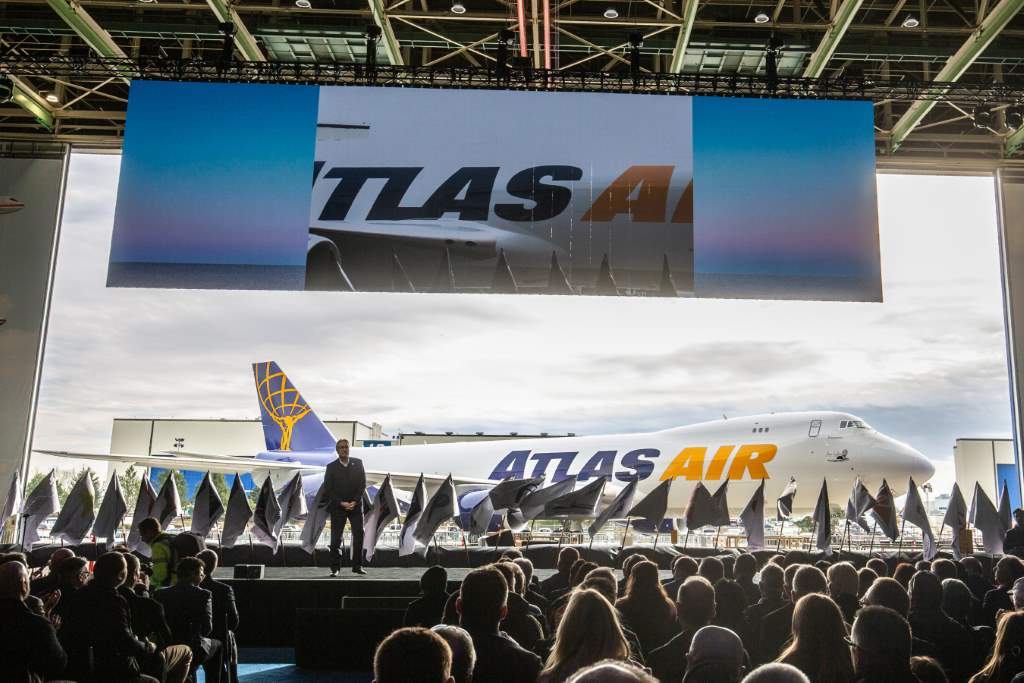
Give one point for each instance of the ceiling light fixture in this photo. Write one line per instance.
(303, 4)
(1015, 117)
(762, 18)
(611, 13)
(51, 98)
(910, 21)
(458, 8)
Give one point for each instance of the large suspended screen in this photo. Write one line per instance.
(248, 186)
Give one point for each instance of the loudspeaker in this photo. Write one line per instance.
(248, 571)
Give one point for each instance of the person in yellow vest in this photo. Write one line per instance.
(162, 553)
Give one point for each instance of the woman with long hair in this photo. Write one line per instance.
(1007, 658)
(819, 647)
(588, 633)
(645, 608)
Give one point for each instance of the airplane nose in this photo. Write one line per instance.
(921, 467)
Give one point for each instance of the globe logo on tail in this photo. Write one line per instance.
(282, 401)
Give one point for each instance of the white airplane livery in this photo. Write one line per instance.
(811, 447)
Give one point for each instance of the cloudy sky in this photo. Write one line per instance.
(927, 366)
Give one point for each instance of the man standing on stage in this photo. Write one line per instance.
(344, 483)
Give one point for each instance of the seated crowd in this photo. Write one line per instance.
(120, 621)
(717, 620)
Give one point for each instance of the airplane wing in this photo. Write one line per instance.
(223, 464)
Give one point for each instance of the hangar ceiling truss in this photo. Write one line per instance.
(917, 46)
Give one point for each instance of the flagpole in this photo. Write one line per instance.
(871, 543)
(814, 530)
(842, 541)
(657, 535)
(437, 551)
(938, 539)
(465, 547)
(526, 548)
(589, 547)
(899, 548)
(624, 534)
(778, 543)
(686, 539)
(717, 532)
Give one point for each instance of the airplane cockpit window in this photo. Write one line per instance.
(815, 428)
(843, 423)
(853, 424)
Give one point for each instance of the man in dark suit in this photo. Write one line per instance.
(170, 663)
(189, 612)
(97, 624)
(225, 613)
(28, 644)
(344, 484)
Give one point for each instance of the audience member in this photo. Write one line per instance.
(716, 655)
(777, 626)
(413, 655)
(842, 588)
(695, 607)
(170, 663)
(944, 569)
(819, 646)
(865, 577)
(627, 567)
(922, 566)
(712, 569)
(731, 603)
(928, 669)
(428, 609)
(878, 566)
(72, 574)
(162, 552)
(929, 622)
(1008, 570)
(745, 569)
(588, 633)
(604, 583)
(49, 581)
(645, 608)
(482, 604)
(881, 646)
(683, 567)
(96, 630)
(225, 617)
(776, 673)
(772, 598)
(463, 654)
(1017, 594)
(1013, 541)
(612, 672)
(903, 573)
(560, 579)
(29, 649)
(960, 605)
(532, 595)
(974, 577)
(1007, 659)
(520, 622)
(189, 612)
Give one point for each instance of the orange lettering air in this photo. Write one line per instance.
(718, 461)
(684, 209)
(689, 464)
(652, 197)
(752, 458)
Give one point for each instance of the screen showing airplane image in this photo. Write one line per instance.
(460, 191)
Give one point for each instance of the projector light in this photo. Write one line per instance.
(910, 21)
(762, 18)
(611, 13)
(458, 8)
(303, 4)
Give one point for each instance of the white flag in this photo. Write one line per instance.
(167, 506)
(985, 519)
(292, 501)
(914, 513)
(481, 515)
(266, 516)
(823, 519)
(784, 503)
(78, 513)
(618, 508)
(1005, 511)
(207, 507)
(752, 519)
(237, 515)
(112, 511)
(316, 520)
(143, 509)
(39, 505)
(383, 512)
(13, 501)
(441, 507)
(956, 517)
(407, 537)
(858, 505)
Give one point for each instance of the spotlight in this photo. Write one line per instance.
(761, 18)
(910, 21)
(983, 116)
(51, 98)
(611, 13)
(1015, 117)
(458, 8)
(303, 4)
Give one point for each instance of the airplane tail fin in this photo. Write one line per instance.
(289, 423)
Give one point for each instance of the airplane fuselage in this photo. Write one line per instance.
(811, 446)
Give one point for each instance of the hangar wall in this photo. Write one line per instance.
(28, 246)
(982, 461)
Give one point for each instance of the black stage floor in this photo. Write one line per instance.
(373, 574)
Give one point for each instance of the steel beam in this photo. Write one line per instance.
(1014, 142)
(980, 38)
(225, 12)
(391, 46)
(683, 39)
(830, 41)
(74, 15)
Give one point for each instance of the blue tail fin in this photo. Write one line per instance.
(289, 423)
